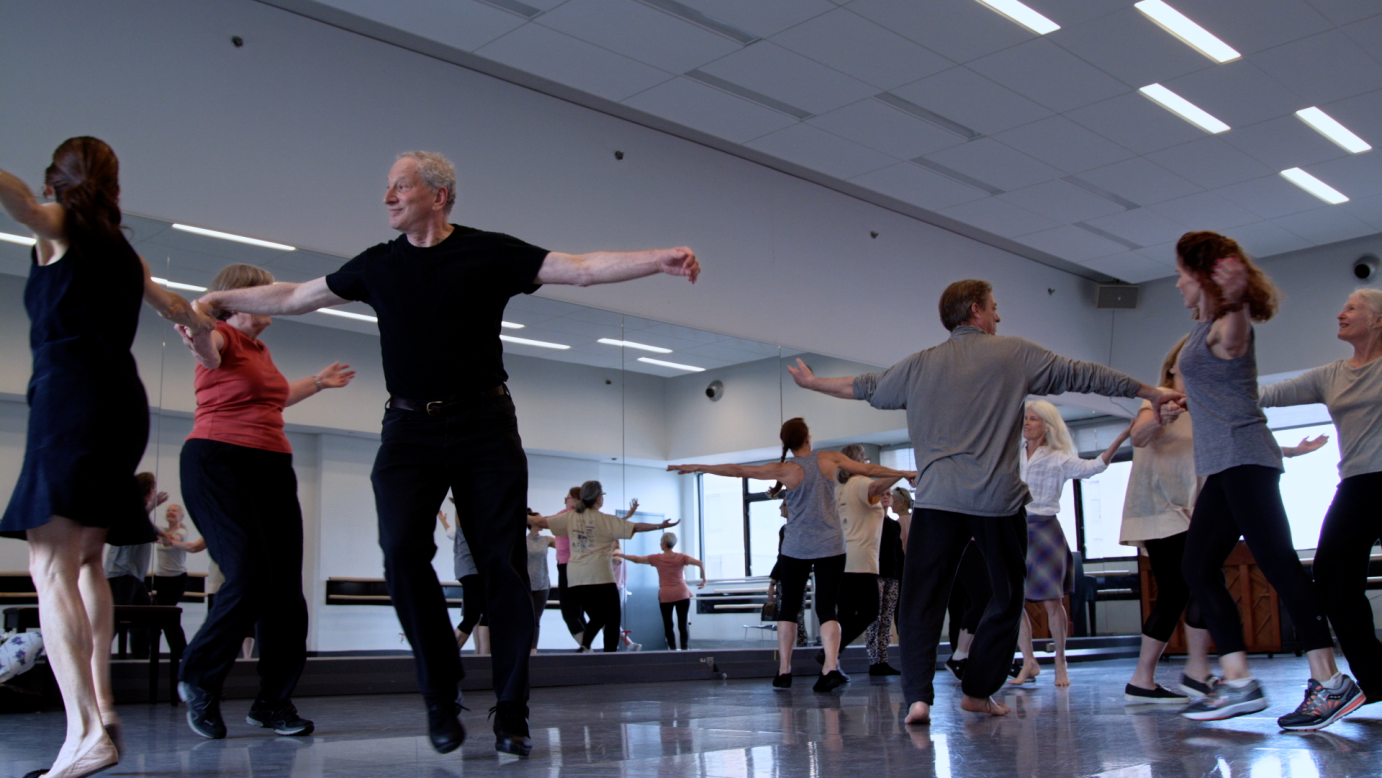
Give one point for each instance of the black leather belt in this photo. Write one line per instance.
(446, 407)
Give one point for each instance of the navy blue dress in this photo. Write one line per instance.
(88, 414)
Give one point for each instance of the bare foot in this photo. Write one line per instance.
(1062, 675)
(1030, 670)
(919, 713)
(984, 705)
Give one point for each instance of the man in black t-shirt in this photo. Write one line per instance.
(439, 290)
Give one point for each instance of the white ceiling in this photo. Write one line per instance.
(1042, 142)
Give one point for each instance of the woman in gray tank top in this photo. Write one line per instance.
(1241, 463)
(814, 539)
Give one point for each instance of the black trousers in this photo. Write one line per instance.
(473, 610)
(570, 609)
(970, 594)
(1245, 501)
(244, 502)
(1172, 592)
(682, 607)
(858, 605)
(600, 603)
(1352, 525)
(478, 455)
(128, 590)
(168, 590)
(934, 547)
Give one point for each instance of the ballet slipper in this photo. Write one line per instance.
(919, 714)
(99, 758)
(984, 705)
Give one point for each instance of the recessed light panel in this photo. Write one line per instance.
(20, 239)
(348, 314)
(1023, 15)
(176, 285)
(1314, 186)
(538, 343)
(1325, 125)
(1183, 108)
(229, 236)
(673, 365)
(631, 344)
(1189, 33)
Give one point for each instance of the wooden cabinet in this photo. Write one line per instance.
(1256, 599)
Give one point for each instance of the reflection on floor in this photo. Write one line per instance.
(742, 729)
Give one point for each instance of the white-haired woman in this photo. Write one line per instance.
(1048, 461)
(672, 591)
(1352, 391)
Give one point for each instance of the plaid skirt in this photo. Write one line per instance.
(1050, 565)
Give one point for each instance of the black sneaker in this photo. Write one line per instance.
(282, 719)
(829, 682)
(957, 667)
(783, 681)
(203, 711)
(444, 727)
(1322, 707)
(883, 668)
(1158, 696)
(511, 728)
(1197, 690)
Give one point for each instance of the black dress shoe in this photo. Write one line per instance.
(511, 728)
(444, 727)
(282, 718)
(203, 711)
(783, 681)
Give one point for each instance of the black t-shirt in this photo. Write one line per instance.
(440, 307)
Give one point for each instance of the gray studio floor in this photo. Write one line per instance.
(742, 729)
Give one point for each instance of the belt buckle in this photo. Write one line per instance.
(434, 408)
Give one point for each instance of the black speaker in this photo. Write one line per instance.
(1117, 296)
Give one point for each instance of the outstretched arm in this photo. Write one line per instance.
(641, 560)
(842, 388)
(46, 220)
(273, 299)
(643, 526)
(173, 306)
(333, 376)
(1305, 446)
(611, 267)
(1146, 426)
(889, 476)
(788, 474)
(1107, 456)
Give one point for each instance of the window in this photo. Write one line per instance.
(722, 517)
(1103, 512)
(1308, 485)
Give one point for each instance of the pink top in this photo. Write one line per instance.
(241, 402)
(563, 549)
(670, 578)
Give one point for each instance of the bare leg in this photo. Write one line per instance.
(786, 638)
(579, 637)
(1030, 668)
(1144, 677)
(100, 613)
(1055, 617)
(57, 551)
(1197, 644)
(1235, 666)
(482, 641)
(247, 648)
(461, 638)
(830, 638)
(962, 645)
(984, 705)
(1322, 666)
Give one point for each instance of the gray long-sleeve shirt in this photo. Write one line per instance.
(964, 402)
(1354, 399)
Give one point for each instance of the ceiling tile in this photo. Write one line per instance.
(916, 185)
(860, 48)
(641, 32)
(1322, 68)
(776, 72)
(1270, 197)
(1206, 211)
(1357, 175)
(1062, 202)
(961, 95)
(700, 107)
(1361, 114)
(1283, 143)
(884, 128)
(1130, 47)
(1238, 93)
(1129, 268)
(1162, 254)
(1048, 74)
(465, 24)
(1210, 162)
(1058, 141)
(959, 29)
(1251, 26)
(763, 18)
(1326, 225)
(553, 55)
(1136, 123)
(1141, 226)
(1073, 243)
(1369, 209)
(1141, 181)
(993, 163)
(1265, 239)
(819, 150)
(1367, 33)
(1345, 11)
(999, 217)
(1073, 12)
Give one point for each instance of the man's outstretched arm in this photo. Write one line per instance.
(272, 300)
(610, 267)
(835, 387)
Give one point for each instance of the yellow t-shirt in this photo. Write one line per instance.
(594, 536)
(862, 520)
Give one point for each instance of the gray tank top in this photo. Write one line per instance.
(813, 528)
(1230, 430)
(537, 562)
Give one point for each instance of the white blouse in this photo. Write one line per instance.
(1046, 472)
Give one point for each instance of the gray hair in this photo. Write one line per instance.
(669, 539)
(854, 451)
(436, 171)
(1372, 298)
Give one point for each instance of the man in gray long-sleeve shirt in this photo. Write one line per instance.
(964, 401)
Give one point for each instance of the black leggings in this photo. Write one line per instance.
(472, 604)
(539, 605)
(970, 593)
(682, 607)
(570, 609)
(794, 572)
(600, 602)
(1172, 593)
(1352, 525)
(858, 605)
(1245, 501)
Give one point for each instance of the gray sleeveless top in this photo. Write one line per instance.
(537, 562)
(813, 528)
(1230, 429)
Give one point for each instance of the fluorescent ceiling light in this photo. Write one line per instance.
(1183, 108)
(237, 238)
(631, 344)
(508, 325)
(1314, 186)
(1023, 15)
(675, 365)
(20, 239)
(1325, 125)
(176, 285)
(1189, 33)
(348, 314)
(538, 343)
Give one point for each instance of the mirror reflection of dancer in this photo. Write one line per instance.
(1240, 461)
(1049, 460)
(570, 609)
(964, 401)
(539, 583)
(241, 489)
(442, 287)
(672, 592)
(87, 430)
(814, 540)
(1352, 391)
(775, 575)
(890, 562)
(859, 501)
(474, 617)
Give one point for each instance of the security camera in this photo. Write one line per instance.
(1365, 267)
(715, 391)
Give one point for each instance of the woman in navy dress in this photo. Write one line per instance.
(88, 426)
